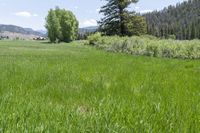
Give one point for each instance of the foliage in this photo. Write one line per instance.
(116, 16)
(63, 25)
(148, 46)
(181, 20)
(75, 88)
(68, 23)
(136, 25)
(94, 38)
(171, 37)
(84, 36)
(53, 26)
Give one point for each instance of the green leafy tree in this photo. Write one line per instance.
(68, 25)
(136, 25)
(53, 26)
(116, 15)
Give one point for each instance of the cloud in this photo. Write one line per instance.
(98, 9)
(145, 11)
(89, 22)
(35, 15)
(25, 14)
(137, 7)
(76, 7)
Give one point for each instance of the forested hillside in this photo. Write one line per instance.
(182, 21)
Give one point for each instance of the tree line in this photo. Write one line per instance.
(62, 25)
(181, 21)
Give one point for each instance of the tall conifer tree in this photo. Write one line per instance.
(116, 15)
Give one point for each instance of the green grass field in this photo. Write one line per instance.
(76, 88)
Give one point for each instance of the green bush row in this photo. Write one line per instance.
(148, 46)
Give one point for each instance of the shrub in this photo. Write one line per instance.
(93, 39)
(148, 46)
(173, 37)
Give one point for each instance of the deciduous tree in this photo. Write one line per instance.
(53, 26)
(66, 27)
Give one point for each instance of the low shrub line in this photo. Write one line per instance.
(147, 46)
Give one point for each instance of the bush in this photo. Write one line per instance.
(148, 46)
(93, 39)
(173, 37)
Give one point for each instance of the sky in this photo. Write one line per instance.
(32, 13)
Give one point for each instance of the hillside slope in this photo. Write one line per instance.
(8, 30)
(90, 29)
(182, 20)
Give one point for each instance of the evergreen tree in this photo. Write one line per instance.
(116, 15)
(181, 20)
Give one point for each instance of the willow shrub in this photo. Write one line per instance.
(148, 46)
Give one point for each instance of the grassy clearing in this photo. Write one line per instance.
(148, 46)
(75, 88)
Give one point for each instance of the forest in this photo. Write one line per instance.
(181, 21)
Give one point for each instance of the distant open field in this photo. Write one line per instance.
(76, 88)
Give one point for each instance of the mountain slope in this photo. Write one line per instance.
(19, 30)
(90, 29)
(182, 21)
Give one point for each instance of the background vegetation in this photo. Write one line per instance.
(118, 20)
(62, 25)
(182, 21)
(148, 46)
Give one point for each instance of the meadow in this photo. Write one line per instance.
(77, 88)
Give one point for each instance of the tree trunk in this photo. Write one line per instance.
(122, 26)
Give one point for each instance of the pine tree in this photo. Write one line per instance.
(181, 20)
(116, 15)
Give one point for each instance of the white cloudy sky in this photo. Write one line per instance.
(31, 13)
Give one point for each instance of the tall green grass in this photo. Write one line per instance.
(148, 46)
(76, 88)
